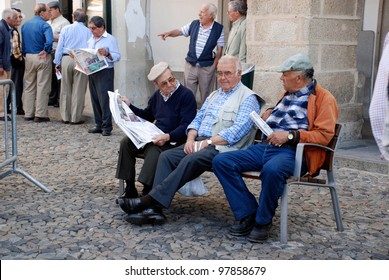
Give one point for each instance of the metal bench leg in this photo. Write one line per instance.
(284, 216)
(335, 205)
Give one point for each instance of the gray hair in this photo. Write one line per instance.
(79, 15)
(307, 74)
(8, 13)
(212, 9)
(40, 7)
(238, 6)
(231, 59)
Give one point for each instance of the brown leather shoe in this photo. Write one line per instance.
(38, 119)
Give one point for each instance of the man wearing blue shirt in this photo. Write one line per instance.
(37, 43)
(101, 82)
(74, 83)
(222, 124)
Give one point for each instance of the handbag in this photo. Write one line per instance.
(195, 187)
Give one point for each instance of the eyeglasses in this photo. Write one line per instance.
(226, 74)
(171, 80)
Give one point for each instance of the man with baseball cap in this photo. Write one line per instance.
(172, 107)
(306, 112)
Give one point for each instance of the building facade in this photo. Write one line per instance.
(343, 38)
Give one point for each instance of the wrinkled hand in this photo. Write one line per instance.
(125, 100)
(161, 139)
(278, 138)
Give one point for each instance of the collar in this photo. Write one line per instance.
(231, 90)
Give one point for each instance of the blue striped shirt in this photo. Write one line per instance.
(208, 114)
(291, 112)
(202, 37)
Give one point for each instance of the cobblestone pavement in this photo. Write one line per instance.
(80, 220)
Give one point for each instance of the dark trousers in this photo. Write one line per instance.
(99, 85)
(175, 168)
(55, 87)
(127, 159)
(17, 75)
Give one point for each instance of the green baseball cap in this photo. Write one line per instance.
(297, 62)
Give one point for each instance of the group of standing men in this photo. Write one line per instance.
(46, 39)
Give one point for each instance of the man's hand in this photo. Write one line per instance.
(278, 138)
(125, 100)
(161, 139)
(266, 114)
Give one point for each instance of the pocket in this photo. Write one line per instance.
(228, 117)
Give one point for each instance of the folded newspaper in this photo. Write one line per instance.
(260, 123)
(88, 61)
(137, 129)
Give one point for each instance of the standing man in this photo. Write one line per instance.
(172, 107)
(306, 113)
(101, 82)
(8, 21)
(57, 23)
(205, 34)
(222, 124)
(74, 83)
(18, 65)
(236, 44)
(37, 42)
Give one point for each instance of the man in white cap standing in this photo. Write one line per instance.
(306, 112)
(172, 107)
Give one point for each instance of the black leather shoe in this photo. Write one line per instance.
(259, 233)
(244, 227)
(148, 216)
(106, 133)
(39, 119)
(131, 205)
(3, 118)
(29, 119)
(95, 130)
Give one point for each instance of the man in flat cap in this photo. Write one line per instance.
(172, 107)
(306, 112)
(222, 124)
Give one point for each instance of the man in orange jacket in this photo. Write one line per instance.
(306, 112)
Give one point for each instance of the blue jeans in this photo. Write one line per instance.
(276, 164)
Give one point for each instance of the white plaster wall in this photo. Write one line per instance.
(165, 16)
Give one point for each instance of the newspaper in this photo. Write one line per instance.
(88, 61)
(137, 129)
(261, 124)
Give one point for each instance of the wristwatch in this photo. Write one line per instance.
(290, 137)
(209, 141)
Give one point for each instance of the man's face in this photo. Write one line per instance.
(19, 20)
(13, 20)
(54, 12)
(227, 76)
(166, 82)
(46, 14)
(233, 15)
(205, 16)
(96, 31)
(291, 81)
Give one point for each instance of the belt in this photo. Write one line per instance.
(65, 54)
(285, 145)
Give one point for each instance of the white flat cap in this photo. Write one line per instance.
(157, 70)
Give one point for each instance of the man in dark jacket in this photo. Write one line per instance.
(9, 19)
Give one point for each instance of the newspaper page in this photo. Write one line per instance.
(88, 61)
(137, 129)
(261, 124)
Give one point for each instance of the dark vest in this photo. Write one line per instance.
(206, 58)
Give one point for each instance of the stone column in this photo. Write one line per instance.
(327, 30)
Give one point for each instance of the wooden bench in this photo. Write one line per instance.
(296, 179)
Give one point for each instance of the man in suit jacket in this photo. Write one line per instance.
(236, 44)
(9, 19)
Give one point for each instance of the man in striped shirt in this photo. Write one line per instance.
(205, 35)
